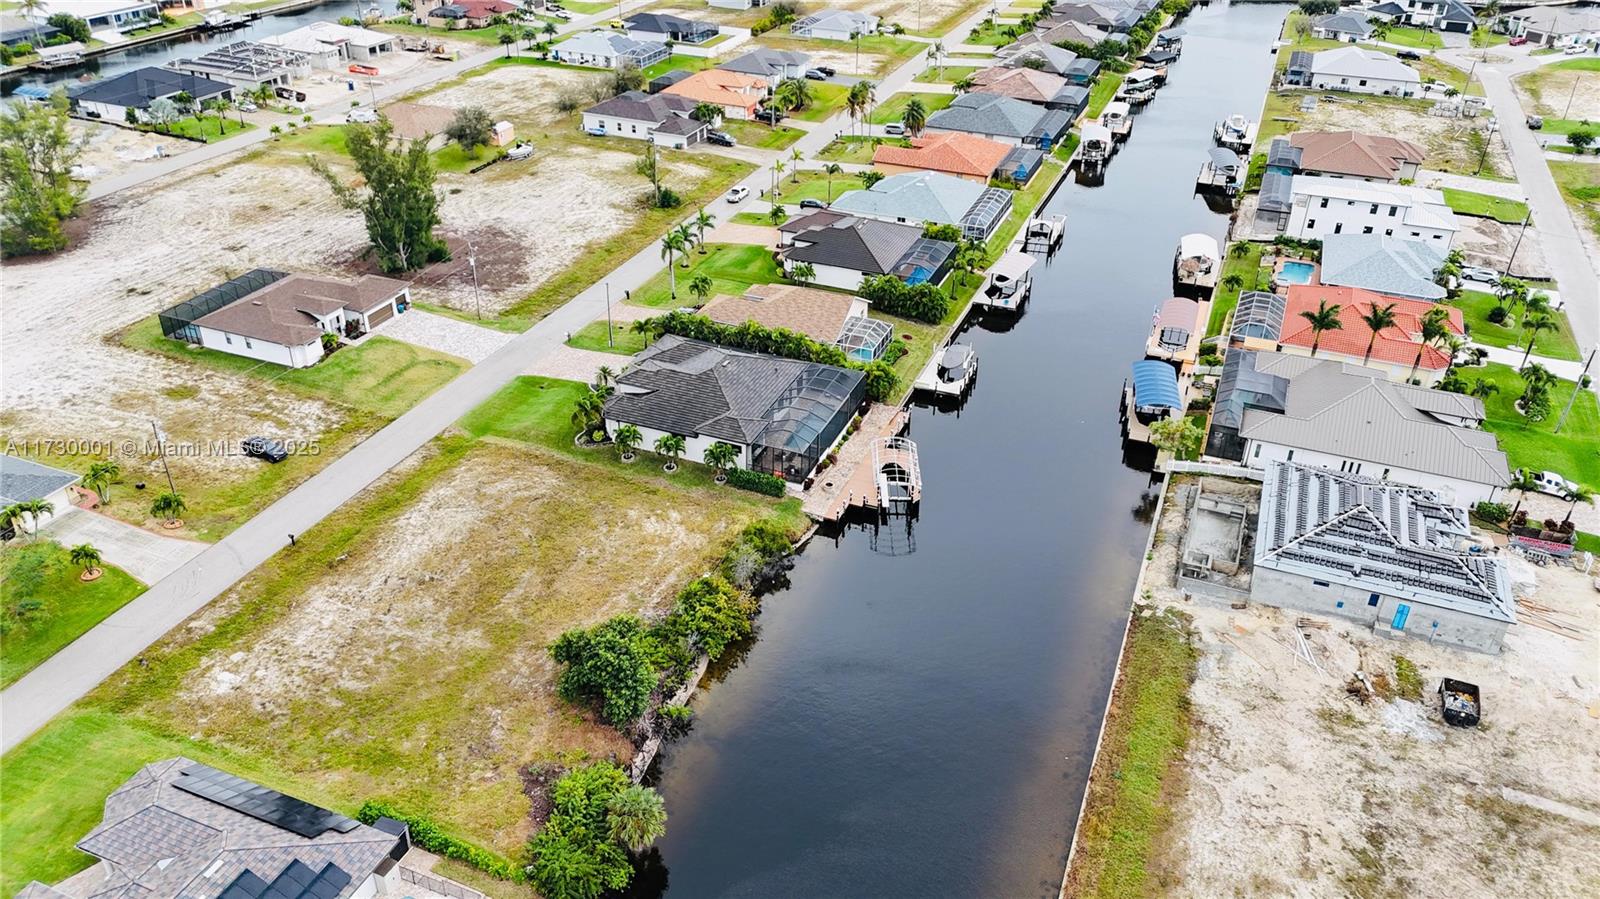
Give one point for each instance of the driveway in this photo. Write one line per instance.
(144, 554)
(444, 334)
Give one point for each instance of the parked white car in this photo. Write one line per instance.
(363, 115)
(1552, 483)
(520, 151)
(1474, 273)
(738, 194)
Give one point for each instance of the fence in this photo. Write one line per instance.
(1220, 470)
(438, 884)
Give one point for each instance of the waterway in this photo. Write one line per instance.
(917, 715)
(193, 44)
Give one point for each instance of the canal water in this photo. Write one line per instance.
(917, 715)
(193, 44)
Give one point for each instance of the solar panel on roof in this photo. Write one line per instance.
(247, 798)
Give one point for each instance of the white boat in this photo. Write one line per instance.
(1235, 133)
(1043, 234)
(1008, 283)
(950, 372)
(1139, 86)
(1118, 119)
(1097, 145)
(221, 20)
(1197, 263)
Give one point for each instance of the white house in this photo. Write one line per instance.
(835, 25)
(24, 480)
(1363, 71)
(282, 318)
(329, 45)
(737, 4)
(1347, 27)
(663, 119)
(608, 50)
(1547, 27)
(105, 15)
(1322, 206)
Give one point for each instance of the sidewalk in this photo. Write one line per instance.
(1564, 369)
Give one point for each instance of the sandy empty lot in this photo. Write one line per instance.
(1294, 788)
(1546, 91)
(1445, 139)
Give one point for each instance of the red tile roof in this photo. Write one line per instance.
(956, 153)
(1396, 344)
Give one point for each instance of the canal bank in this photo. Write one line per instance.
(919, 714)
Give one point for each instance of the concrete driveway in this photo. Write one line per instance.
(144, 554)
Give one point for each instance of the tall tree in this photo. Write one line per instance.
(471, 128)
(914, 117)
(398, 201)
(831, 169)
(1531, 328)
(1577, 493)
(1521, 481)
(1376, 319)
(702, 221)
(37, 152)
(1326, 318)
(1435, 330)
(99, 477)
(671, 245)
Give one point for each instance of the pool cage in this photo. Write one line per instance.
(177, 322)
(927, 261)
(864, 339)
(1259, 315)
(982, 218)
(804, 420)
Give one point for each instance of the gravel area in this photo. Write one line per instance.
(573, 364)
(471, 342)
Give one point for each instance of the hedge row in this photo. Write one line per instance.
(433, 838)
(756, 481)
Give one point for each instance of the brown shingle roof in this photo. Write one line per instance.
(957, 153)
(284, 311)
(1354, 153)
(1021, 83)
(818, 314)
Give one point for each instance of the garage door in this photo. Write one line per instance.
(380, 315)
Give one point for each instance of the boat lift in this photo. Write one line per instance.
(897, 472)
(1008, 283)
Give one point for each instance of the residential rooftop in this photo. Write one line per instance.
(1355, 154)
(1387, 265)
(1398, 344)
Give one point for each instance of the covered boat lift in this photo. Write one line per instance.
(1008, 283)
(1097, 146)
(1223, 172)
(1197, 264)
(1148, 396)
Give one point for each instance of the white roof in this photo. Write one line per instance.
(1096, 131)
(88, 9)
(1423, 206)
(1359, 63)
(1204, 245)
(1139, 76)
(1117, 108)
(329, 34)
(1012, 265)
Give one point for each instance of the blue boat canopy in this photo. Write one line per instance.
(1155, 385)
(32, 92)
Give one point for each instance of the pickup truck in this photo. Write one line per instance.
(1551, 483)
(1460, 703)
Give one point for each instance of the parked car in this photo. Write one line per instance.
(816, 75)
(812, 204)
(1551, 483)
(1474, 273)
(263, 448)
(597, 132)
(1535, 122)
(522, 150)
(830, 71)
(364, 115)
(562, 14)
(1409, 54)
(618, 24)
(721, 139)
(894, 128)
(738, 194)
(769, 116)
(1518, 41)
(247, 106)
(1575, 49)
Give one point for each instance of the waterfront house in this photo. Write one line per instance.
(957, 154)
(1347, 27)
(1438, 15)
(1106, 17)
(834, 25)
(845, 250)
(1032, 86)
(1349, 154)
(930, 198)
(16, 30)
(329, 45)
(105, 15)
(663, 119)
(774, 65)
(737, 94)
(1351, 418)
(782, 415)
(1387, 265)
(180, 828)
(608, 50)
(458, 14)
(1361, 71)
(282, 318)
(1394, 351)
(1325, 206)
(825, 316)
(113, 98)
(662, 27)
(1388, 556)
(1037, 54)
(248, 65)
(1002, 119)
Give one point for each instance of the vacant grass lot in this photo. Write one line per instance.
(894, 108)
(620, 340)
(947, 75)
(815, 185)
(762, 137)
(399, 651)
(1475, 306)
(731, 267)
(1486, 205)
(46, 606)
(827, 99)
(1101, 93)
(857, 149)
(1580, 184)
(1417, 38)
(1248, 267)
(1575, 452)
(890, 52)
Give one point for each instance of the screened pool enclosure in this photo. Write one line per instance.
(805, 419)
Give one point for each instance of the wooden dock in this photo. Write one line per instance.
(851, 482)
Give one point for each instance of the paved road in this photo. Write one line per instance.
(71, 673)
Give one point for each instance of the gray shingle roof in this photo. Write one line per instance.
(1357, 413)
(914, 196)
(138, 87)
(863, 245)
(23, 479)
(1388, 265)
(765, 62)
(1344, 23)
(1057, 60)
(990, 114)
(1377, 537)
(642, 107)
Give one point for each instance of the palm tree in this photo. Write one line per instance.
(99, 477)
(168, 506)
(722, 457)
(1483, 388)
(549, 30)
(792, 94)
(671, 446)
(1531, 327)
(914, 117)
(937, 52)
(803, 273)
(700, 285)
(528, 34)
(1521, 481)
(36, 510)
(185, 102)
(603, 377)
(1435, 329)
(636, 817)
(860, 98)
(1577, 493)
(702, 221)
(686, 235)
(1240, 249)
(30, 11)
(776, 215)
(11, 517)
(1232, 281)
(671, 245)
(507, 37)
(86, 557)
(963, 84)
(794, 166)
(588, 411)
(1326, 318)
(1377, 318)
(706, 112)
(778, 168)
(626, 438)
(831, 169)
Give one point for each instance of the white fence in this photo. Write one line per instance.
(438, 884)
(1220, 469)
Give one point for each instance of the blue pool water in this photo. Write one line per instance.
(1296, 273)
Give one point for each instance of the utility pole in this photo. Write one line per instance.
(1572, 93)
(1525, 220)
(472, 263)
(162, 449)
(611, 341)
(1576, 387)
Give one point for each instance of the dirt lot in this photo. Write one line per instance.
(1487, 242)
(109, 150)
(1293, 788)
(1545, 91)
(1446, 139)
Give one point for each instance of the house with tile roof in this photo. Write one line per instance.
(782, 415)
(664, 119)
(1322, 206)
(1394, 350)
(178, 828)
(737, 94)
(929, 198)
(1348, 27)
(458, 14)
(1002, 119)
(956, 153)
(608, 50)
(845, 250)
(1386, 265)
(826, 316)
(1386, 555)
(1352, 419)
(1032, 86)
(1351, 154)
(1361, 71)
(834, 25)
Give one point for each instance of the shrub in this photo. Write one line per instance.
(430, 836)
(710, 615)
(922, 302)
(1210, 360)
(895, 350)
(1494, 513)
(607, 666)
(757, 481)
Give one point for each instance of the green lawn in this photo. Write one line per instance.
(950, 75)
(857, 149)
(1486, 206)
(1580, 184)
(1475, 306)
(1418, 38)
(46, 606)
(752, 218)
(208, 129)
(1574, 453)
(814, 185)
(451, 158)
(889, 51)
(733, 268)
(620, 340)
(1104, 89)
(323, 140)
(678, 61)
(1023, 203)
(894, 108)
(1255, 275)
(380, 375)
(993, 35)
(1567, 126)
(762, 137)
(827, 99)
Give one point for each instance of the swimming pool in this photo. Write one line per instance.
(1296, 273)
